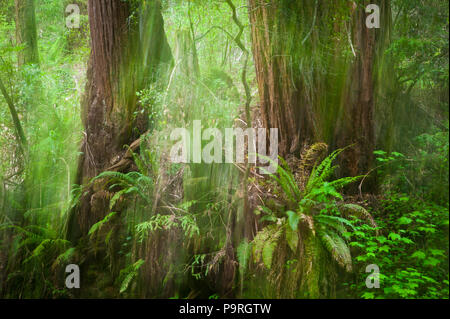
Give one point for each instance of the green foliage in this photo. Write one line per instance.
(97, 226)
(410, 246)
(167, 222)
(264, 244)
(338, 248)
(130, 183)
(175, 229)
(199, 263)
(316, 208)
(243, 253)
(40, 253)
(425, 172)
(412, 250)
(128, 274)
(293, 219)
(421, 42)
(64, 258)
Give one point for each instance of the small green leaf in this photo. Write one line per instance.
(404, 221)
(292, 239)
(293, 219)
(394, 236)
(419, 255)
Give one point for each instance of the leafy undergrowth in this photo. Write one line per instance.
(410, 248)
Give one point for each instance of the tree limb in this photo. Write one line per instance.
(15, 117)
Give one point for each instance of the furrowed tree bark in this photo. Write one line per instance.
(356, 124)
(316, 67)
(315, 71)
(125, 54)
(282, 99)
(363, 109)
(26, 33)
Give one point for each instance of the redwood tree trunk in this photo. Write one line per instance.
(315, 71)
(356, 122)
(26, 34)
(120, 65)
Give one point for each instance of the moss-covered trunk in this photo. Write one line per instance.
(317, 78)
(315, 72)
(26, 34)
(125, 54)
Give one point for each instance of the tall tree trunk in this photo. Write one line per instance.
(285, 103)
(356, 121)
(316, 66)
(124, 55)
(316, 78)
(356, 124)
(26, 33)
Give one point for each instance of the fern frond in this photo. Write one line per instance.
(286, 179)
(243, 255)
(337, 247)
(41, 231)
(117, 176)
(63, 258)
(323, 171)
(264, 244)
(140, 163)
(129, 273)
(45, 245)
(338, 223)
(323, 192)
(30, 240)
(310, 155)
(339, 183)
(358, 211)
(100, 224)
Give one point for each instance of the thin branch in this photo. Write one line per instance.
(212, 28)
(313, 23)
(15, 117)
